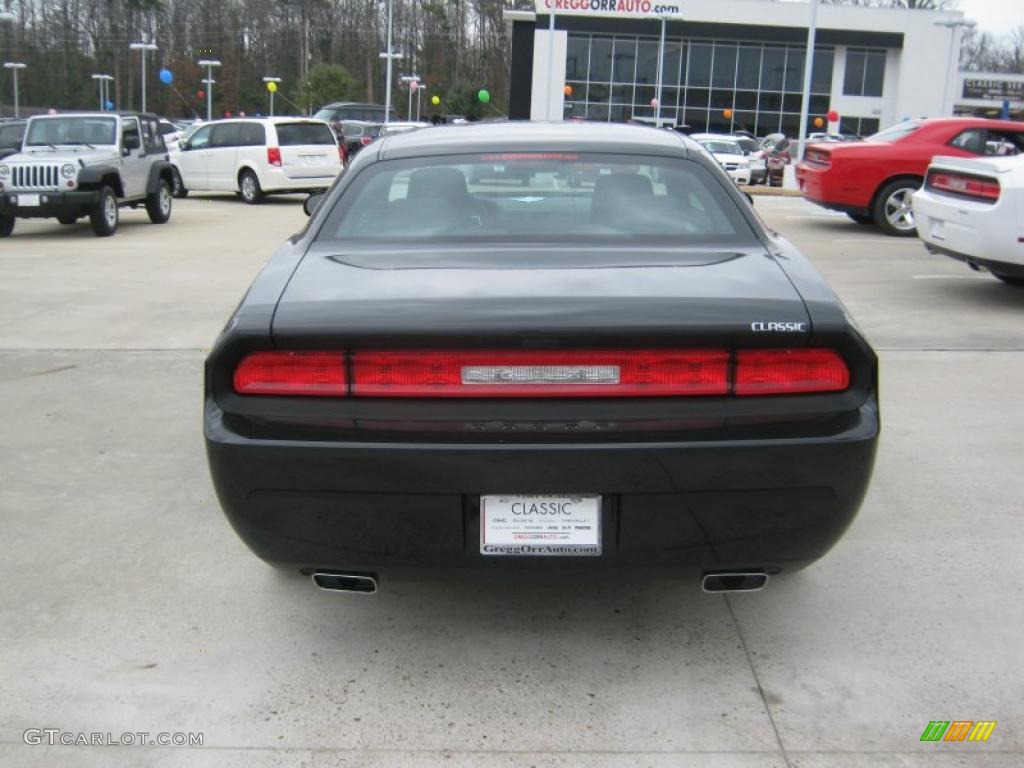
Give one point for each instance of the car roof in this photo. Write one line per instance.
(526, 136)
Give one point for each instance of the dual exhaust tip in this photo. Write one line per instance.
(366, 584)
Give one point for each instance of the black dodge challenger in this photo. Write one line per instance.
(457, 365)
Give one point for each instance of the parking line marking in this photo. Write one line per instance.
(951, 277)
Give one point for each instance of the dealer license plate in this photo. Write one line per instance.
(28, 201)
(540, 525)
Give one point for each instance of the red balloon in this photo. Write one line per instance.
(201, 94)
(833, 116)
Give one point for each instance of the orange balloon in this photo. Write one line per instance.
(727, 113)
(818, 122)
(567, 90)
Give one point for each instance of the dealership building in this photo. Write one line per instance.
(739, 64)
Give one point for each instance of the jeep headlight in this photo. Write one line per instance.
(68, 171)
(5, 171)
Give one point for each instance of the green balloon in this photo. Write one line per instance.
(484, 95)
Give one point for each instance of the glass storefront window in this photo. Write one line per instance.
(647, 61)
(624, 60)
(723, 71)
(865, 72)
(613, 78)
(698, 73)
(600, 60)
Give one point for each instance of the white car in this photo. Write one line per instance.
(729, 154)
(972, 209)
(257, 156)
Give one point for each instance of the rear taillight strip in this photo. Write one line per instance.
(981, 188)
(547, 374)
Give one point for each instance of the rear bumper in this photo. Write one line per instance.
(772, 504)
(275, 180)
(983, 233)
(50, 203)
(829, 189)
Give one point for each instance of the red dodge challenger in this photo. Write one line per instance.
(871, 181)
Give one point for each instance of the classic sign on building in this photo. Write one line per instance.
(993, 89)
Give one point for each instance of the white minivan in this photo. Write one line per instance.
(257, 156)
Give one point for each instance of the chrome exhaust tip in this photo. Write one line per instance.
(734, 581)
(359, 583)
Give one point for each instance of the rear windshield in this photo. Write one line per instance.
(537, 196)
(722, 147)
(896, 132)
(370, 114)
(296, 134)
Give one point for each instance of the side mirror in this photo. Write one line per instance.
(312, 203)
(184, 145)
(131, 141)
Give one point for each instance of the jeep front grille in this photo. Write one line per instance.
(38, 176)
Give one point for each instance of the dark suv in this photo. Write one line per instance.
(11, 134)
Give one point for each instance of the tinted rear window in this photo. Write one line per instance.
(297, 134)
(537, 196)
(896, 132)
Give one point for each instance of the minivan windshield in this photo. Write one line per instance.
(526, 196)
(43, 131)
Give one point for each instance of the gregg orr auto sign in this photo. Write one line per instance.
(617, 8)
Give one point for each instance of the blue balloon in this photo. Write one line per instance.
(110, 106)
(166, 76)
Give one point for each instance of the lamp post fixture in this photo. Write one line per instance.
(272, 80)
(142, 47)
(805, 99)
(209, 81)
(14, 66)
(413, 83)
(660, 76)
(953, 25)
(103, 81)
(390, 55)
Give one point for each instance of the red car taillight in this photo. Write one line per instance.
(274, 155)
(789, 371)
(292, 373)
(562, 373)
(365, 140)
(964, 185)
(818, 157)
(341, 153)
(627, 373)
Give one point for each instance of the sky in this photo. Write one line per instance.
(996, 16)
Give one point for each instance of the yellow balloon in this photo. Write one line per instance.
(272, 86)
(435, 100)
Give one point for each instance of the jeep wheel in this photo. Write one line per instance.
(104, 214)
(249, 187)
(67, 219)
(178, 190)
(158, 205)
(6, 225)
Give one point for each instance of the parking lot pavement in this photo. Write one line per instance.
(129, 605)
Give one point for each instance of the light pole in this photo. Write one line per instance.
(412, 82)
(142, 48)
(952, 25)
(14, 66)
(805, 99)
(103, 81)
(419, 97)
(549, 108)
(390, 56)
(660, 77)
(209, 64)
(275, 81)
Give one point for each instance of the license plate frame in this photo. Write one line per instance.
(540, 525)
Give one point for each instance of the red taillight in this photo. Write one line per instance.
(546, 374)
(341, 153)
(627, 373)
(790, 371)
(365, 140)
(964, 185)
(818, 157)
(292, 373)
(274, 155)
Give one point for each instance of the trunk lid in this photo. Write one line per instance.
(514, 293)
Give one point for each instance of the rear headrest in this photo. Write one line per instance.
(618, 189)
(446, 183)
